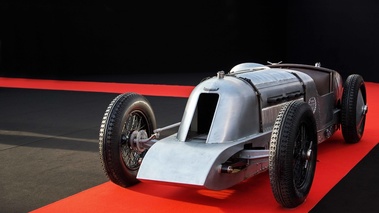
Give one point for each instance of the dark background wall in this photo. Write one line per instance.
(341, 34)
(53, 38)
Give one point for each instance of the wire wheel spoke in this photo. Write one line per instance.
(129, 152)
(131, 157)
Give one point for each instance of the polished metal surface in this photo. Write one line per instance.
(247, 67)
(230, 117)
(234, 116)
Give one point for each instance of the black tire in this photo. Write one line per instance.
(126, 113)
(293, 154)
(353, 109)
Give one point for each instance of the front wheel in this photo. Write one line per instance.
(293, 153)
(126, 114)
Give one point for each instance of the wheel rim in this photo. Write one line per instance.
(361, 110)
(303, 155)
(136, 120)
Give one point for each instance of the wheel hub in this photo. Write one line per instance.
(307, 154)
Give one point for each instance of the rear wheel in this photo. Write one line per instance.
(127, 113)
(353, 109)
(293, 153)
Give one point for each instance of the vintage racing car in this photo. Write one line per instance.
(236, 125)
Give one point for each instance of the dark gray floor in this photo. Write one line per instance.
(49, 143)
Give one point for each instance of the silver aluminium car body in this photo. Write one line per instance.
(231, 116)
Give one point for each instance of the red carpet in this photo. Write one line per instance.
(335, 160)
(143, 89)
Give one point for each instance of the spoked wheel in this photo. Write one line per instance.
(293, 154)
(121, 158)
(354, 109)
